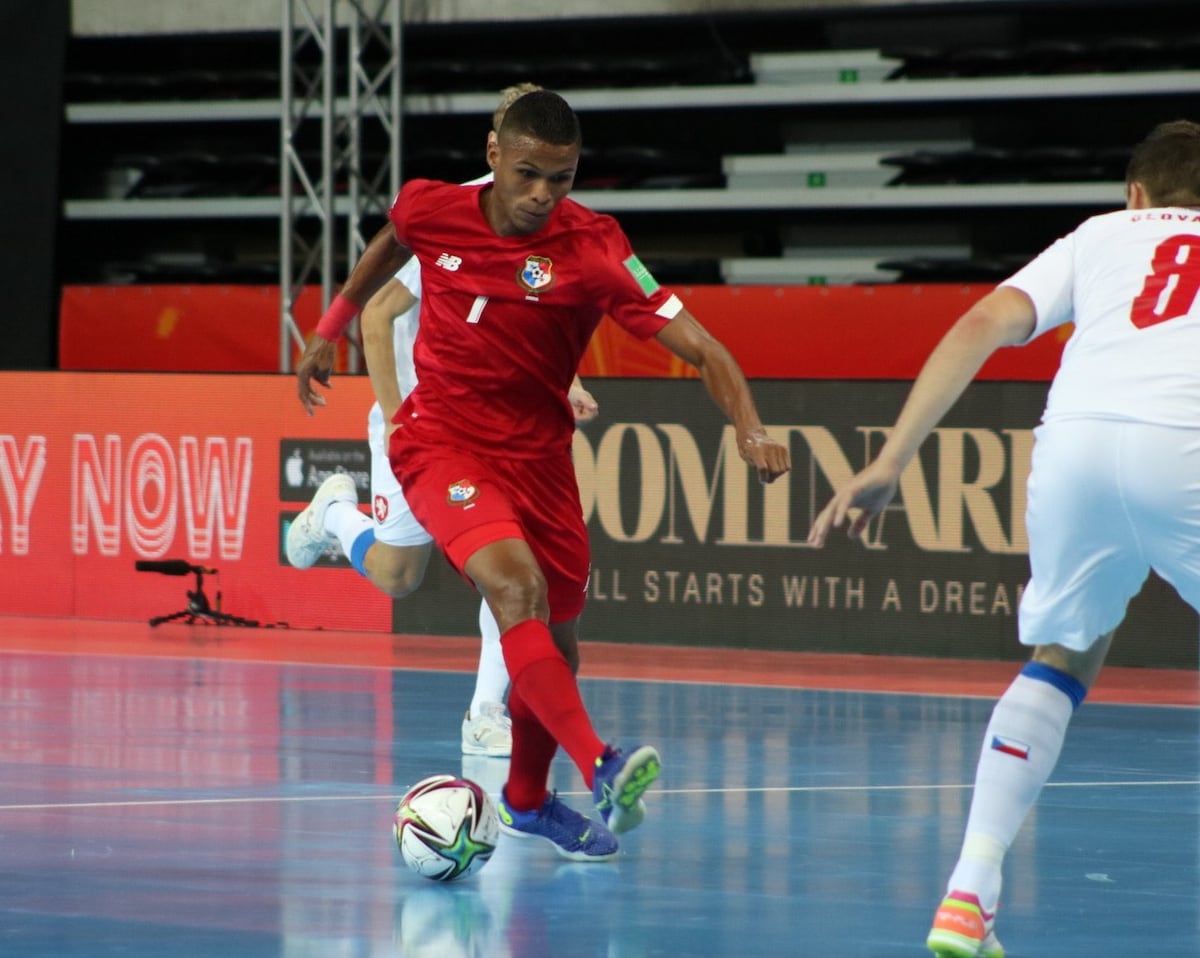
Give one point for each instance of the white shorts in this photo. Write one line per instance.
(395, 525)
(1107, 502)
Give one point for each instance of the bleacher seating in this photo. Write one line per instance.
(1044, 56)
(751, 137)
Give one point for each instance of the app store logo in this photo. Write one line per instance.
(306, 463)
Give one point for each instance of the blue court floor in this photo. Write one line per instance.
(180, 806)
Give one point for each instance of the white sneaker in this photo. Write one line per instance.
(489, 732)
(306, 536)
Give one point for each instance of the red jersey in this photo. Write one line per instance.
(505, 319)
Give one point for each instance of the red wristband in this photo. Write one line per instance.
(337, 317)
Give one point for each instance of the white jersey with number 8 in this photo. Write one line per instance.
(1112, 490)
(1130, 281)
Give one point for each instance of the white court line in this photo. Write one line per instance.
(796, 789)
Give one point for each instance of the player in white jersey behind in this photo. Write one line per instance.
(1112, 493)
(391, 549)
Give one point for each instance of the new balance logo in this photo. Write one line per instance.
(446, 261)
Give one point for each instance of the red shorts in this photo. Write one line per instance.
(466, 502)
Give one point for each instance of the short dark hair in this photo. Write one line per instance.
(1167, 164)
(543, 115)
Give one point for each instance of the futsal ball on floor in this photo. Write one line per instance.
(446, 828)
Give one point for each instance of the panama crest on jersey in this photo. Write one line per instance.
(537, 275)
(461, 492)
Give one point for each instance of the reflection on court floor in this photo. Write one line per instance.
(199, 804)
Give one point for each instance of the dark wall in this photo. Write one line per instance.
(33, 38)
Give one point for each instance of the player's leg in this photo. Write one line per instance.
(1173, 541)
(1110, 537)
(526, 808)
(558, 539)
(1020, 749)
(525, 549)
(389, 547)
(487, 728)
(542, 676)
(544, 705)
(333, 506)
(333, 522)
(491, 681)
(394, 551)
(490, 540)
(618, 777)
(486, 543)
(1068, 616)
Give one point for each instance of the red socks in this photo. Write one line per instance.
(546, 711)
(530, 764)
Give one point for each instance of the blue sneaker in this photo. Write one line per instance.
(573, 836)
(619, 783)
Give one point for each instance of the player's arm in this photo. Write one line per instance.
(1004, 317)
(727, 385)
(381, 260)
(378, 318)
(583, 404)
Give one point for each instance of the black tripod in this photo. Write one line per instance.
(198, 608)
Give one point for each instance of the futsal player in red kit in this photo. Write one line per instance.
(516, 277)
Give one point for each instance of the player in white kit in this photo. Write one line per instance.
(1113, 490)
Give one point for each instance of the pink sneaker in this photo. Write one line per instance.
(962, 929)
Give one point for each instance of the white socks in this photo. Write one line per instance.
(1020, 749)
(344, 521)
(491, 681)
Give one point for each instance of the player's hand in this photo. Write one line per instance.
(316, 365)
(769, 459)
(583, 404)
(859, 501)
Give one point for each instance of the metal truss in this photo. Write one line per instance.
(329, 183)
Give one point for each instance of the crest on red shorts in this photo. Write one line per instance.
(381, 508)
(461, 492)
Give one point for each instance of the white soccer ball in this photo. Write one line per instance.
(446, 828)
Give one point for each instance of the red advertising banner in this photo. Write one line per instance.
(100, 471)
(822, 332)
(178, 328)
(797, 332)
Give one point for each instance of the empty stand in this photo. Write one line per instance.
(752, 129)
